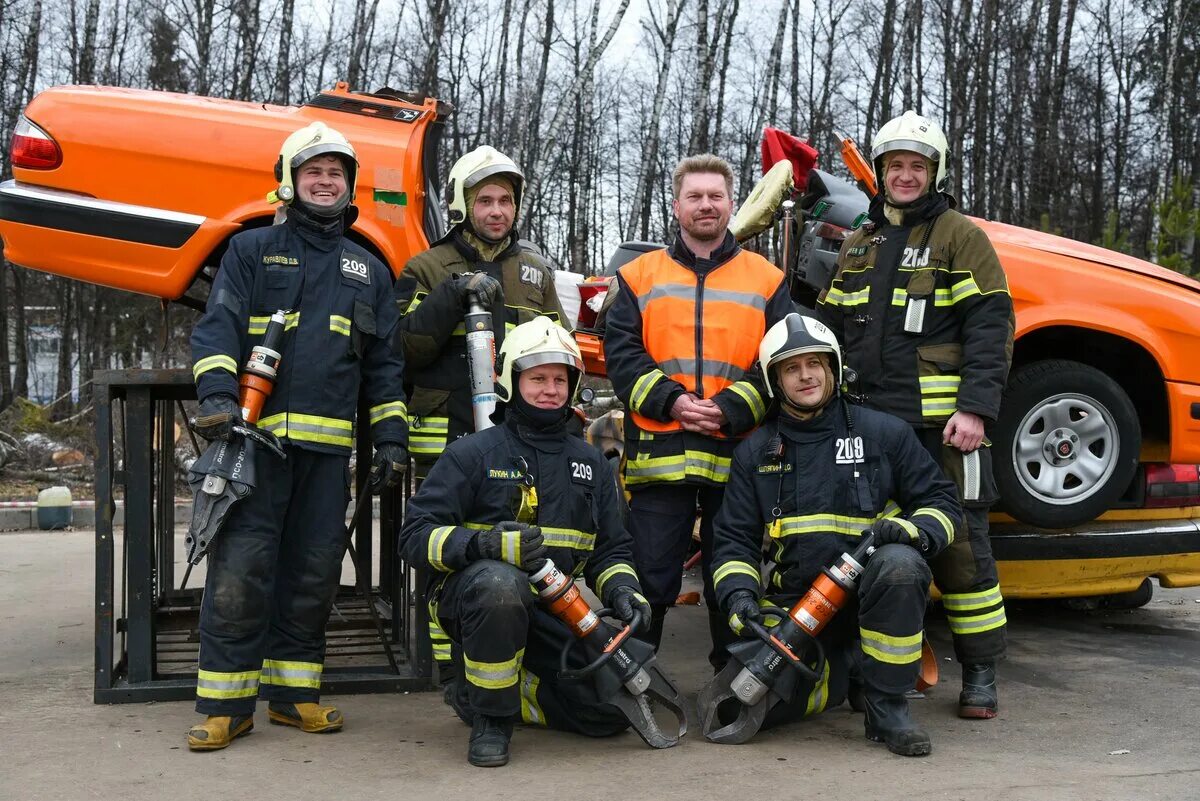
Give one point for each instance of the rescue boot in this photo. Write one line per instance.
(488, 747)
(888, 721)
(978, 697)
(218, 731)
(312, 718)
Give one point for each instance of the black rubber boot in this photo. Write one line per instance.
(889, 722)
(978, 698)
(489, 741)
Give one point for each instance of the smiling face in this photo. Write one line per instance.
(494, 210)
(905, 176)
(321, 181)
(544, 386)
(806, 379)
(704, 206)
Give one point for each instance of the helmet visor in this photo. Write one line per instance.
(922, 148)
(548, 357)
(494, 169)
(324, 149)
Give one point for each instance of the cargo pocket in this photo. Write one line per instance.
(972, 474)
(917, 299)
(937, 373)
(363, 330)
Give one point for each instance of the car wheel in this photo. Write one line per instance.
(1068, 441)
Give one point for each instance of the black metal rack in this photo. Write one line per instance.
(147, 637)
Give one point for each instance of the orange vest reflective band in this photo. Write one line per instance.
(703, 333)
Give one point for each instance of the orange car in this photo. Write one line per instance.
(141, 190)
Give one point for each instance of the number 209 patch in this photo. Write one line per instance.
(581, 470)
(532, 275)
(356, 267)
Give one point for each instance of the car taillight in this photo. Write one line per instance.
(830, 231)
(33, 148)
(1172, 485)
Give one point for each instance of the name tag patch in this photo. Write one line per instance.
(356, 267)
(504, 474)
(286, 261)
(775, 467)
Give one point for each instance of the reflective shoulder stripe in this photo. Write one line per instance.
(218, 362)
(618, 568)
(734, 568)
(389, 409)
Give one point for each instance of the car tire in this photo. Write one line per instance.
(1067, 444)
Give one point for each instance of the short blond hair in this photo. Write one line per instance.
(705, 162)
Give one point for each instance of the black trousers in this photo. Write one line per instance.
(507, 650)
(271, 583)
(662, 518)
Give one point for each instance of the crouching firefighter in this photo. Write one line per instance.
(493, 509)
(274, 569)
(812, 480)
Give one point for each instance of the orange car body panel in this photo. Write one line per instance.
(209, 158)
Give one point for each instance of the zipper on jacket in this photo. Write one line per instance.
(700, 334)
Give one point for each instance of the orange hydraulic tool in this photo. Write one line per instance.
(625, 673)
(758, 676)
(859, 167)
(262, 368)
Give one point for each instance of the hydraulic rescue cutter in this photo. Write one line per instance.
(625, 673)
(224, 473)
(766, 671)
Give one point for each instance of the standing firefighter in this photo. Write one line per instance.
(493, 508)
(813, 479)
(276, 564)
(481, 258)
(922, 307)
(680, 340)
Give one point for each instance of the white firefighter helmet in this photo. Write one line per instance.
(793, 335)
(482, 162)
(913, 132)
(539, 341)
(317, 139)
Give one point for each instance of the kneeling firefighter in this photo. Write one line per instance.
(814, 478)
(493, 508)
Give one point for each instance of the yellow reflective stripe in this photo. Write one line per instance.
(438, 639)
(913, 532)
(642, 387)
(963, 289)
(531, 711)
(976, 624)
(966, 601)
(940, 517)
(219, 685)
(510, 546)
(493, 675)
(416, 301)
(437, 543)
(749, 394)
(568, 538)
(938, 406)
(902, 650)
(390, 409)
(292, 674)
(310, 428)
(939, 384)
(847, 525)
(658, 468)
(339, 324)
(217, 362)
(819, 697)
(734, 568)
(836, 297)
(618, 568)
(258, 325)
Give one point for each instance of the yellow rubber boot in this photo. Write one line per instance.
(218, 731)
(312, 718)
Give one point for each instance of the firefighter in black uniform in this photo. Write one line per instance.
(812, 480)
(921, 305)
(276, 565)
(491, 510)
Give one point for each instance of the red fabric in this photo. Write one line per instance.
(777, 145)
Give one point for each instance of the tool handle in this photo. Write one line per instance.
(605, 654)
(789, 656)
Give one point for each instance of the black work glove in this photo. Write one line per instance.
(626, 601)
(890, 530)
(218, 414)
(516, 543)
(481, 285)
(742, 607)
(389, 466)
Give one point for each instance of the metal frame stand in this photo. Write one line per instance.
(146, 648)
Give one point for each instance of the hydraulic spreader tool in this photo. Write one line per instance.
(224, 473)
(624, 673)
(766, 671)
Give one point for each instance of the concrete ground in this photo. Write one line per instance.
(1095, 705)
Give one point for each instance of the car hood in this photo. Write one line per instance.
(1049, 243)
